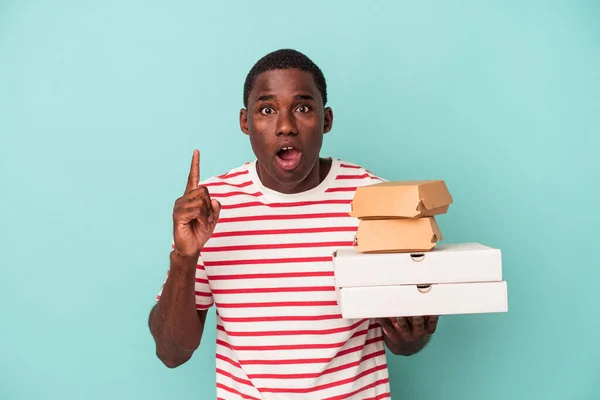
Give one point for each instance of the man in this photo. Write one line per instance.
(257, 242)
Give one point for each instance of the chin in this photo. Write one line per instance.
(293, 177)
(290, 177)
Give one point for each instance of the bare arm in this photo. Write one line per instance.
(174, 322)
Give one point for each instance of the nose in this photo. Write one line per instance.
(286, 124)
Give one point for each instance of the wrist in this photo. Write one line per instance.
(179, 260)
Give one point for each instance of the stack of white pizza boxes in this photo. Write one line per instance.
(396, 267)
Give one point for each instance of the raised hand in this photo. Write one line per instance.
(195, 215)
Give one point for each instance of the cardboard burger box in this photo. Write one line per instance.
(397, 235)
(452, 279)
(410, 199)
(399, 216)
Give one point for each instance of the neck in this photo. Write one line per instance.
(316, 175)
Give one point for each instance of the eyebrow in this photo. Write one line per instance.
(304, 97)
(268, 97)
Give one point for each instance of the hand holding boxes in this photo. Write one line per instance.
(396, 268)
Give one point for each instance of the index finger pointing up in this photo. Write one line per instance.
(194, 176)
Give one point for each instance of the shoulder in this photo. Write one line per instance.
(237, 177)
(358, 174)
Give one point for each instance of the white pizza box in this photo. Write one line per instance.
(446, 263)
(421, 300)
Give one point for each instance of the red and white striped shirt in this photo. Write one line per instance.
(268, 270)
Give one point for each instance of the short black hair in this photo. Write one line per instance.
(285, 59)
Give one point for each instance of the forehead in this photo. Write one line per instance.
(284, 83)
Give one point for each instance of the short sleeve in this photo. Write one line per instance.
(375, 178)
(204, 297)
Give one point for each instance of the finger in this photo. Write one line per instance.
(192, 195)
(431, 324)
(196, 198)
(216, 211)
(183, 207)
(193, 199)
(209, 208)
(387, 327)
(205, 212)
(185, 215)
(418, 325)
(203, 192)
(402, 326)
(194, 176)
(203, 223)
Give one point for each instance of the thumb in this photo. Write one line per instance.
(216, 210)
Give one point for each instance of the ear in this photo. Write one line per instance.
(328, 120)
(244, 121)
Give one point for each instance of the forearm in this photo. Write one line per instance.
(174, 322)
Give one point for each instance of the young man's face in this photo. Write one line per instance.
(286, 120)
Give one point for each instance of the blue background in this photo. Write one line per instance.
(102, 104)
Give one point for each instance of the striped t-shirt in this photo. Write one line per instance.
(268, 270)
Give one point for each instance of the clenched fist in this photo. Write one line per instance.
(195, 215)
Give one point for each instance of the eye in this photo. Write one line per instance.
(303, 109)
(267, 110)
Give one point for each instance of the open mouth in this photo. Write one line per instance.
(288, 157)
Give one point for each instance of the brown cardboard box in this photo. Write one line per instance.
(397, 235)
(411, 199)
